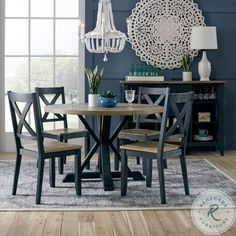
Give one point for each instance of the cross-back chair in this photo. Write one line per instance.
(37, 148)
(180, 104)
(152, 96)
(50, 96)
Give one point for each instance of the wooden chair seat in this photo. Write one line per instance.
(66, 133)
(149, 147)
(53, 147)
(176, 141)
(139, 134)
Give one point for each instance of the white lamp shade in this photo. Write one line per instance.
(204, 38)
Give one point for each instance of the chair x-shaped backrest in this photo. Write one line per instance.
(180, 106)
(51, 96)
(19, 116)
(152, 96)
(22, 120)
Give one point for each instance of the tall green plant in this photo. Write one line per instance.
(186, 62)
(94, 79)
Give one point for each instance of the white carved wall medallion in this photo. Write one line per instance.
(159, 30)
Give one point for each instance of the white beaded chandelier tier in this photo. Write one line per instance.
(105, 37)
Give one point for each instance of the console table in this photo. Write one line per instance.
(207, 113)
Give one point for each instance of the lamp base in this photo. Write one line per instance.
(204, 68)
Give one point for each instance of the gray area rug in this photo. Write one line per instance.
(202, 176)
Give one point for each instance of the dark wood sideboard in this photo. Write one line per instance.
(207, 113)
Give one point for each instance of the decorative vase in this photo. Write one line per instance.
(93, 100)
(204, 68)
(187, 76)
(108, 102)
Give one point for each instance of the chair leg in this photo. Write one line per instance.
(138, 160)
(87, 148)
(161, 180)
(184, 173)
(64, 158)
(16, 174)
(99, 164)
(52, 176)
(116, 163)
(124, 173)
(61, 165)
(116, 160)
(165, 164)
(61, 160)
(78, 173)
(40, 180)
(148, 172)
(144, 166)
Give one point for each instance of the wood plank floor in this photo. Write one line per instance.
(109, 223)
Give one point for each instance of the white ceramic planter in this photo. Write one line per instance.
(187, 76)
(93, 100)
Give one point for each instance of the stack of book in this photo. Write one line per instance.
(144, 78)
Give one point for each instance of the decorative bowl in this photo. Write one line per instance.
(107, 102)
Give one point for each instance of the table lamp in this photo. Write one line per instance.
(203, 38)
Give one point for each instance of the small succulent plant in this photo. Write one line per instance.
(108, 94)
(186, 62)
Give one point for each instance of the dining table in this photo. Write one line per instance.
(104, 140)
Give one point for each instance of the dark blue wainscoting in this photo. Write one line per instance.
(219, 13)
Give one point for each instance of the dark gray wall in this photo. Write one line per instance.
(219, 13)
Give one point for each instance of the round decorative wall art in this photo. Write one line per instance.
(160, 30)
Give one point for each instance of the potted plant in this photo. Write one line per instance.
(94, 79)
(186, 63)
(108, 99)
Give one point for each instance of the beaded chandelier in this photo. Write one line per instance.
(105, 37)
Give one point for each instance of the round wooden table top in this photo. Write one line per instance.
(122, 109)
